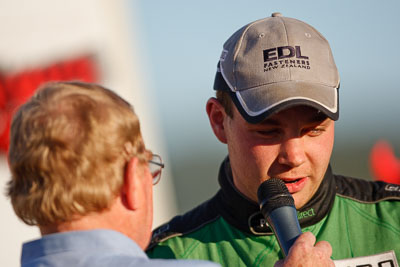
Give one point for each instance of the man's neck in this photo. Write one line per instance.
(115, 218)
(87, 222)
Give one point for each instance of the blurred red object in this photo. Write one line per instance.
(385, 166)
(17, 88)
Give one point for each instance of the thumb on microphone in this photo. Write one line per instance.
(305, 252)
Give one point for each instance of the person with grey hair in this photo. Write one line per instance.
(277, 100)
(80, 172)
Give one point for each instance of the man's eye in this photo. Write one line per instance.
(314, 131)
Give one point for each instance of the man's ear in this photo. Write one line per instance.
(131, 184)
(216, 115)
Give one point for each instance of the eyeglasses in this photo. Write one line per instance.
(155, 166)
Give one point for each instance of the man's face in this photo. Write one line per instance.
(293, 145)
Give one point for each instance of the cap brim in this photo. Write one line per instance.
(258, 103)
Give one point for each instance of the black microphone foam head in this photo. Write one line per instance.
(273, 194)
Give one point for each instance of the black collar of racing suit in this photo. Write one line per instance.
(244, 214)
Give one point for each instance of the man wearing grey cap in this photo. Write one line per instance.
(277, 101)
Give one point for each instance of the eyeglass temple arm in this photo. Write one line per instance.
(157, 163)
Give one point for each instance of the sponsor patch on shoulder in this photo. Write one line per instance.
(384, 259)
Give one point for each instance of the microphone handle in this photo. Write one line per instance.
(286, 231)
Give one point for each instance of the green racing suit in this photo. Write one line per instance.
(357, 217)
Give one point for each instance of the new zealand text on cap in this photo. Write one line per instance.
(275, 63)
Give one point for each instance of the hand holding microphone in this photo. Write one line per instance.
(305, 252)
(277, 207)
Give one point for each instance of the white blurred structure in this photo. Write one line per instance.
(36, 33)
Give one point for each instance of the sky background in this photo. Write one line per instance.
(181, 42)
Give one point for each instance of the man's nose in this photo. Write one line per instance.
(292, 152)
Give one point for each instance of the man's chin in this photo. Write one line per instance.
(300, 201)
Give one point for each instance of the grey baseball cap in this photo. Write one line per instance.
(275, 63)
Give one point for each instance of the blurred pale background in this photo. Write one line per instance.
(170, 54)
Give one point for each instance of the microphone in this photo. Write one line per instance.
(277, 207)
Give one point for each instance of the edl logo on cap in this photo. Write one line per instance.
(284, 52)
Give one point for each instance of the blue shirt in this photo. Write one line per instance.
(92, 248)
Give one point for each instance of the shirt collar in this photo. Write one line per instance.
(99, 240)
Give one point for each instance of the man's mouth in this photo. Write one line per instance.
(291, 181)
(295, 185)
